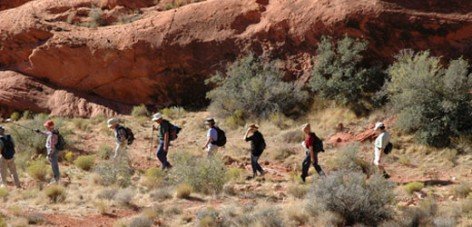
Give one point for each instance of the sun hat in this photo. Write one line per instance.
(156, 116)
(254, 126)
(304, 126)
(49, 123)
(379, 125)
(209, 120)
(112, 121)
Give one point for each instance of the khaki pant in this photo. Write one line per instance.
(10, 164)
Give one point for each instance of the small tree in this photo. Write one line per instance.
(339, 74)
(255, 89)
(433, 102)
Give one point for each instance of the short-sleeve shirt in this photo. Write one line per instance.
(213, 134)
(257, 141)
(382, 140)
(163, 129)
(309, 140)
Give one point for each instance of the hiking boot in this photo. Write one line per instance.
(386, 175)
(303, 178)
(263, 173)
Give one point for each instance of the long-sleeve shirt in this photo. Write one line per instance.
(382, 140)
(257, 143)
(51, 141)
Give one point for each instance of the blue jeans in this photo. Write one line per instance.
(162, 156)
(306, 165)
(54, 160)
(255, 164)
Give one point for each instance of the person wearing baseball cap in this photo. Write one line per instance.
(380, 143)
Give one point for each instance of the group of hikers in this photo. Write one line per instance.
(167, 132)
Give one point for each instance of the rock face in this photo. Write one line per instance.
(160, 57)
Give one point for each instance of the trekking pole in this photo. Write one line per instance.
(152, 140)
(11, 121)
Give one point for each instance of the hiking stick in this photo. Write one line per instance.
(152, 140)
(11, 121)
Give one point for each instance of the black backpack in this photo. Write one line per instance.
(8, 147)
(173, 131)
(263, 144)
(61, 142)
(388, 149)
(317, 144)
(221, 141)
(129, 135)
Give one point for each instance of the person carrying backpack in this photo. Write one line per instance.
(51, 146)
(257, 147)
(121, 138)
(165, 134)
(381, 142)
(216, 137)
(312, 145)
(7, 159)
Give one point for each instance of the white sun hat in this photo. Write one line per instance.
(379, 125)
(156, 116)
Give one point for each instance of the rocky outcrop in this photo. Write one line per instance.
(163, 57)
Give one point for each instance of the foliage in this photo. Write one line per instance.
(153, 177)
(110, 173)
(56, 193)
(432, 101)
(69, 156)
(105, 152)
(124, 196)
(85, 162)
(298, 191)
(414, 187)
(161, 194)
(462, 190)
(107, 193)
(3, 193)
(38, 170)
(15, 116)
(339, 74)
(348, 160)
(205, 175)
(183, 191)
(140, 111)
(256, 89)
(174, 112)
(356, 198)
(140, 221)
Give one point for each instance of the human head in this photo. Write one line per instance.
(379, 126)
(49, 125)
(113, 123)
(2, 130)
(157, 118)
(210, 122)
(306, 128)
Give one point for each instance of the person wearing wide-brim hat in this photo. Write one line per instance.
(258, 146)
(381, 142)
(164, 139)
(120, 138)
(212, 137)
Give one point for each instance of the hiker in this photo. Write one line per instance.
(215, 137)
(7, 159)
(257, 147)
(312, 147)
(381, 142)
(164, 139)
(121, 138)
(52, 153)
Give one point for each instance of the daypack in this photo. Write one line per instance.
(129, 135)
(174, 132)
(221, 141)
(317, 144)
(388, 149)
(8, 147)
(61, 143)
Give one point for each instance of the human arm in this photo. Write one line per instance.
(247, 137)
(166, 141)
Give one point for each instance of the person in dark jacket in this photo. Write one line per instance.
(257, 147)
(311, 152)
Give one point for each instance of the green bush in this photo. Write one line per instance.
(15, 116)
(3, 193)
(85, 162)
(114, 173)
(340, 74)
(183, 191)
(69, 156)
(174, 112)
(432, 101)
(414, 187)
(56, 193)
(105, 152)
(140, 111)
(153, 177)
(38, 170)
(356, 198)
(81, 124)
(257, 89)
(205, 175)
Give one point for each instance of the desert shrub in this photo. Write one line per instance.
(55, 193)
(257, 89)
(102, 206)
(292, 136)
(183, 191)
(235, 120)
(356, 198)
(125, 196)
(85, 162)
(205, 175)
(234, 173)
(104, 152)
(3, 193)
(161, 194)
(153, 177)
(107, 193)
(414, 187)
(340, 74)
(297, 216)
(282, 153)
(81, 124)
(174, 112)
(421, 215)
(114, 173)
(264, 217)
(38, 170)
(140, 111)
(140, 221)
(298, 191)
(348, 160)
(27, 115)
(69, 156)
(462, 190)
(35, 218)
(432, 101)
(15, 116)
(95, 18)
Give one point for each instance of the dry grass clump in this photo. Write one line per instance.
(4, 193)
(296, 215)
(414, 187)
(140, 221)
(174, 112)
(153, 177)
(462, 190)
(183, 191)
(161, 194)
(104, 152)
(140, 111)
(69, 156)
(85, 162)
(124, 197)
(298, 191)
(38, 170)
(109, 173)
(55, 193)
(107, 193)
(292, 136)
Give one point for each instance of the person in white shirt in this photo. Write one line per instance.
(381, 142)
(212, 137)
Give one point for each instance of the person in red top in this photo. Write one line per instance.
(311, 152)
